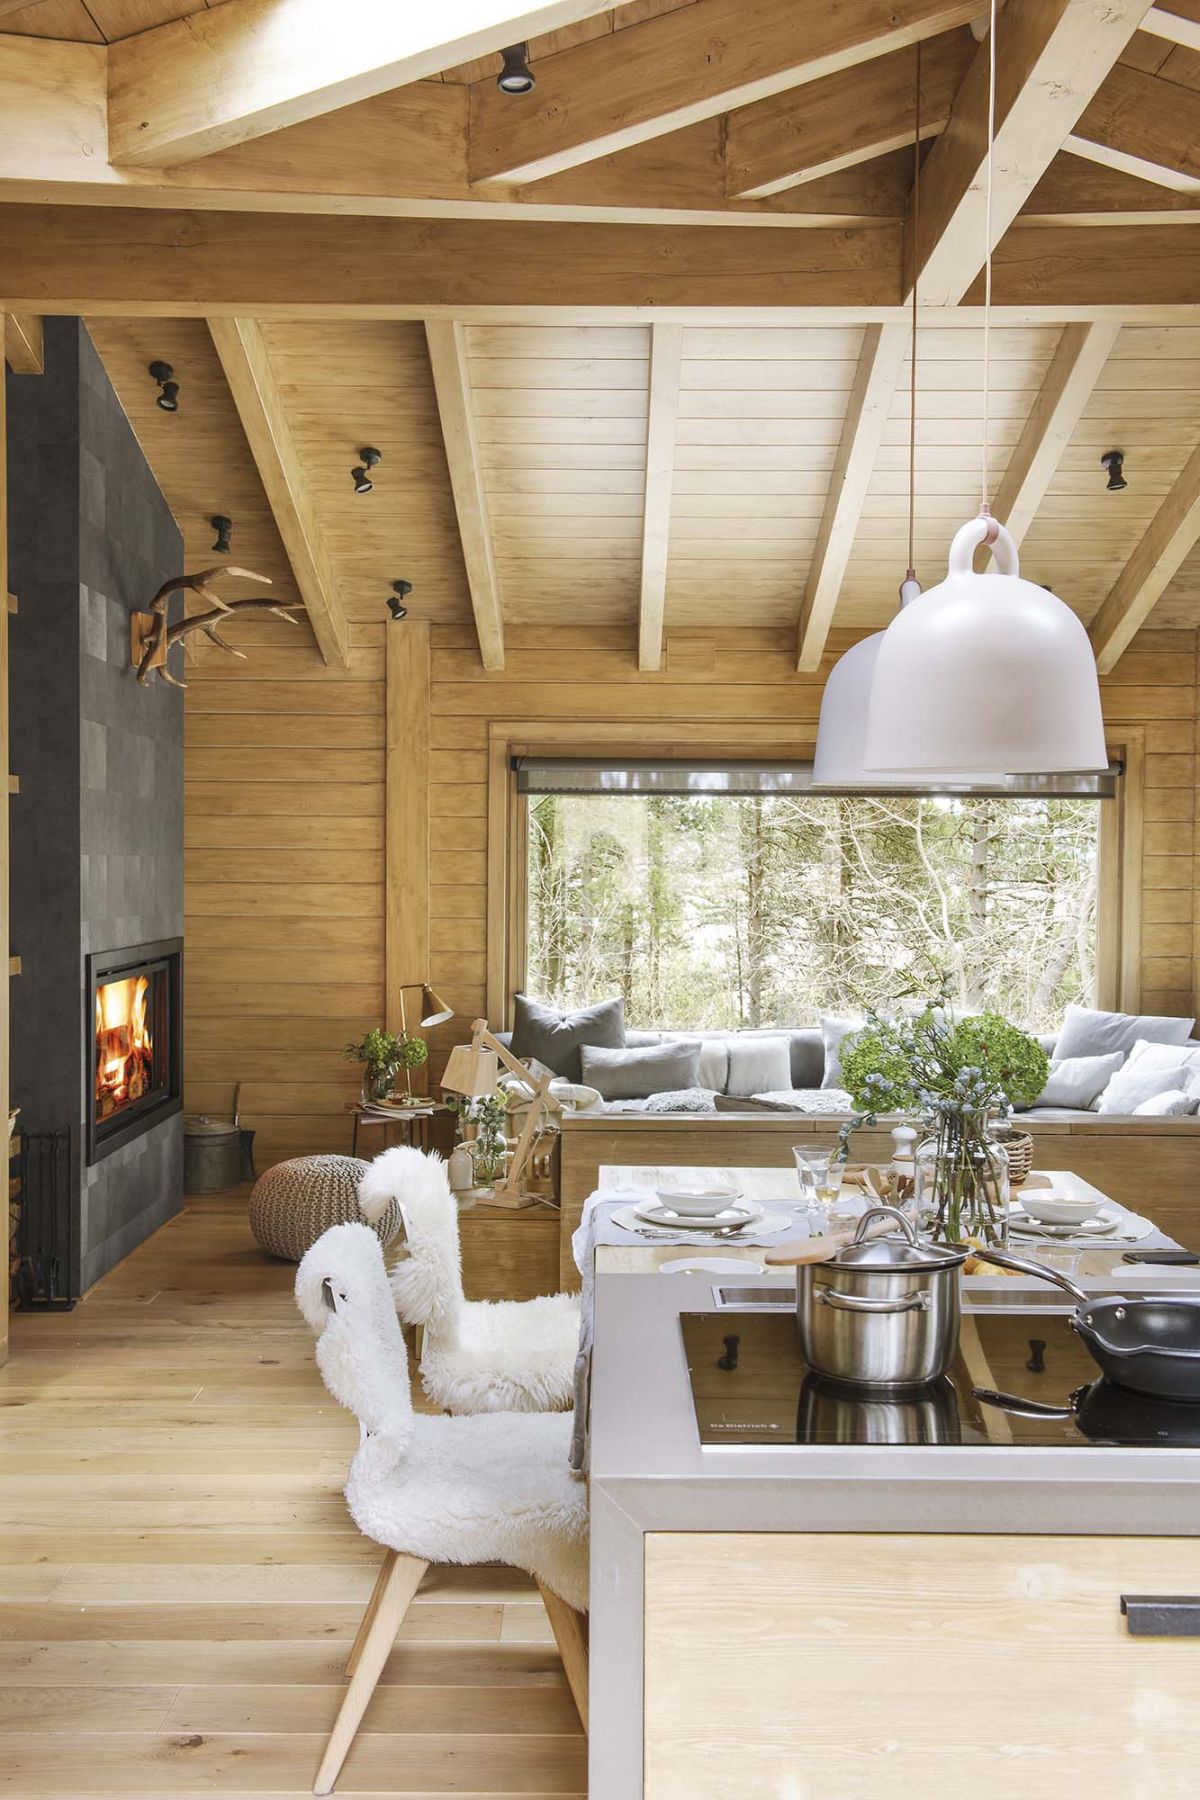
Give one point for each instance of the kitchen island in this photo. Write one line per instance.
(839, 1620)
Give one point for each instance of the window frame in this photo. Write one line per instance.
(1118, 918)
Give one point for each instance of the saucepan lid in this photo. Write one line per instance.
(899, 1250)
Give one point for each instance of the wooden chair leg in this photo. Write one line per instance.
(368, 1618)
(399, 1580)
(570, 1634)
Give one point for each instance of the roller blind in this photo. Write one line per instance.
(635, 775)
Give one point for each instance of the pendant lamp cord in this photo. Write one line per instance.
(912, 355)
(984, 506)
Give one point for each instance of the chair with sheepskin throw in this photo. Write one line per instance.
(476, 1356)
(433, 1489)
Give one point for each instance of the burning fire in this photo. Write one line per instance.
(124, 1049)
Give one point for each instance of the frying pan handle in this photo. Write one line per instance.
(1022, 1409)
(1021, 1265)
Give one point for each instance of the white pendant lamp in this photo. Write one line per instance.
(988, 672)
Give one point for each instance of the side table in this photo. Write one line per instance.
(415, 1124)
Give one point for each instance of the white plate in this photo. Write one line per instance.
(656, 1212)
(710, 1265)
(1101, 1224)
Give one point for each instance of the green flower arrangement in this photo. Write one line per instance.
(383, 1054)
(940, 1066)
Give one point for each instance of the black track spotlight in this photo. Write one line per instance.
(516, 76)
(396, 606)
(164, 374)
(1114, 462)
(360, 475)
(222, 526)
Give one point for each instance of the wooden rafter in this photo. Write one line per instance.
(845, 119)
(1074, 370)
(1143, 126)
(680, 67)
(1052, 57)
(23, 343)
(452, 381)
(263, 414)
(248, 67)
(879, 363)
(1172, 533)
(666, 356)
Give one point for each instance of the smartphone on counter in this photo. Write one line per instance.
(1172, 1257)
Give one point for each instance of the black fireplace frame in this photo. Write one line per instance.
(106, 1135)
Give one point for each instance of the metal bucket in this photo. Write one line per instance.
(212, 1155)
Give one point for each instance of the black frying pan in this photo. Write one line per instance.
(1150, 1346)
(1107, 1414)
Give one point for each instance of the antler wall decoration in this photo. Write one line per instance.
(151, 638)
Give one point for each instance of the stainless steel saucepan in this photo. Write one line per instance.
(1151, 1346)
(880, 1311)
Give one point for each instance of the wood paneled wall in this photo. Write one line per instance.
(286, 810)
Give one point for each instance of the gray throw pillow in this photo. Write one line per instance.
(637, 1074)
(833, 1030)
(758, 1065)
(1130, 1086)
(1078, 1080)
(1086, 1032)
(1174, 1104)
(555, 1038)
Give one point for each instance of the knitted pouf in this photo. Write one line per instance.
(294, 1202)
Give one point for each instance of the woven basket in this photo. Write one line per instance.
(294, 1202)
(1019, 1146)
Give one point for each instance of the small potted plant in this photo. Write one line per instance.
(383, 1054)
(488, 1147)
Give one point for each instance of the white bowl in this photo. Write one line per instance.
(698, 1203)
(1052, 1208)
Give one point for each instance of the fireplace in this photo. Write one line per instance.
(133, 1039)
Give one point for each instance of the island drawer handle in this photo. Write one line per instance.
(1162, 1615)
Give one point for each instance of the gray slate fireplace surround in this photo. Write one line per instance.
(97, 828)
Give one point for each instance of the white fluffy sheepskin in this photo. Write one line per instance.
(478, 1356)
(474, 1490)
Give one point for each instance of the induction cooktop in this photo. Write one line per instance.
(751, 1386)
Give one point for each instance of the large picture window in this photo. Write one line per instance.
(760, 909)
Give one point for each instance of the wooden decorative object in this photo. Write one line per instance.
(484, 1053)
(152, 639)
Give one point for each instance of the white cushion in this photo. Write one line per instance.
(758, 1064)
(1129, 1087)
(1173, 1104)
(1079, 1080)
(1086, 1032)
(714, 1061)
(1164, 1056)
(833, 1030)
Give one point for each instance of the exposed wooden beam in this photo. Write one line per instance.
(1143, 126)
(1172, 533)
(679, 67)
(1077, 187)
(23, 343)
(1173, 26)
(240, 70)
(1083, 272)
(845, 119)
(263, 414)
(1074, 370)
(52, 149)
(879, 363)
(1052, 56)
(112, 260)
(452, 381)
(666, 358)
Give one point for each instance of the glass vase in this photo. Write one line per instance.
(961, 1179)
(376, 1083)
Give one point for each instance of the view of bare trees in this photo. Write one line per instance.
(768, 910)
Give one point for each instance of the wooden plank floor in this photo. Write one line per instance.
(179, 1579)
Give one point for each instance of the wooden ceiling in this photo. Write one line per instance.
(554, 448)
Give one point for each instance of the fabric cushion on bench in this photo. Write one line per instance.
(1173, 1104)
(555, 1038)
(636, 1074)
(758, 1063)
(833, 1031)
(1129, 1087)
(1078, 1081)
(1086, 1032)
